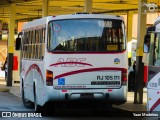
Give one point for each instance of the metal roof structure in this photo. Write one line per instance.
(31, 9)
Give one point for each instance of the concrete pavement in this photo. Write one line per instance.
(129, 106)
(14, 89)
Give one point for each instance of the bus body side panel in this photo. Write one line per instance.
(153, 89)
(39, 80)
(33, 75)
(153, 100)
(27, 81)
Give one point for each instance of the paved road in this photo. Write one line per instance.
(11, 103)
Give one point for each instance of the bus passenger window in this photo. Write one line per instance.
(43, 43)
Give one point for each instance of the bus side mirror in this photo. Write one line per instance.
(18, 43)
(146, 44)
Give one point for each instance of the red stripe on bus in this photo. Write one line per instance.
(145, 76)
(87, 70)
(155, 105)
(70, 63)
(36, 67)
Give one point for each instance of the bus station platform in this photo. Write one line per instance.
(128, 106)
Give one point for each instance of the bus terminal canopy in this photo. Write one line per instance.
(32, 9)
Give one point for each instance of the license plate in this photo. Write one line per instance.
(87, 96)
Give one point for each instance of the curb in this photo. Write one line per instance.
(4, 90)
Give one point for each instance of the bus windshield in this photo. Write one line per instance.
(86, 35)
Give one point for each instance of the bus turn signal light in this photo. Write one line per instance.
(49, 78)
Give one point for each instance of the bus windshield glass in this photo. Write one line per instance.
(86, 35)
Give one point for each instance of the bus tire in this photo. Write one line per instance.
(27, 103)
(37, 107)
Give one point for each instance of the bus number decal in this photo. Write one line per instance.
(108, 77)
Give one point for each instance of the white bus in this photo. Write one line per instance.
(151, 58)
(73, 57)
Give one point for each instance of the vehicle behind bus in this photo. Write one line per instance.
(74, 57)
(151, 59)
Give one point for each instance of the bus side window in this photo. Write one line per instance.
(23, 45)
(121, 42)
(39, 44)
(27, 37)
(36, 42)
(157, 51)
(49, 37)
(43, 43)
(32, 46)
(30, 42)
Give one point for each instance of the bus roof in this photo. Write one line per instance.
(45, 20)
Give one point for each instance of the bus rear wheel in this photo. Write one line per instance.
(37, 107)
(27, 103)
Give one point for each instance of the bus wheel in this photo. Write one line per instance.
(27, 103)
(37, 107)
